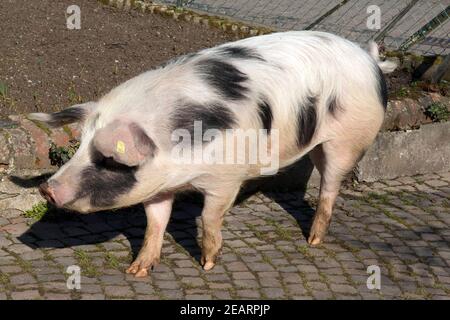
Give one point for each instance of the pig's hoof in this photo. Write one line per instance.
(140, 267)
(133, 269)
(318, 229)
(317, 234)
(207, 265)
(314, 240)
(138, 271)
(141, 273)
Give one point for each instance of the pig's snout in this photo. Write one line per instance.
(48, 191)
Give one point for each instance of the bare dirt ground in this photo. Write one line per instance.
(46, 66)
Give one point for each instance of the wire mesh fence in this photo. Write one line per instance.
(421, 27)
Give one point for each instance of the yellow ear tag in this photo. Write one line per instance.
(120, 147)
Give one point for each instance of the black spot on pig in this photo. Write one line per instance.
(239, 52)
(265, 114)
(307, 120)
(324, 38)
(224, 77)
(66, 116)
(213, 116)
(105, 180)
(382, 88)
(333, 106)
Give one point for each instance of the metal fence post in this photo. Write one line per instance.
(426, 29)
(392, 24)
(326, 15)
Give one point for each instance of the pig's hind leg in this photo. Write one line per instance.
(158, 214)
(333, 159)
(216, 205)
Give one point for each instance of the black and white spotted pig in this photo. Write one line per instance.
(322, 94)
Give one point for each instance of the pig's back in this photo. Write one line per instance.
(299, 71)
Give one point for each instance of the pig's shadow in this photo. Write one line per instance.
(59, 228)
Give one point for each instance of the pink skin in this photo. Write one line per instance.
(56, 193)
(158, 214)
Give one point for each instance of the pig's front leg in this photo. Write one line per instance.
(216, 205)
(158, 215)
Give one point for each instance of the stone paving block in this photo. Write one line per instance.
(291, 277)
(321, 295)
(242, 283)
(172, 294)
(261, 267)
(316, 285)
(56, 286)
(270, 282)
(296, 290)
(440, 297)
(54, 276)
(312, 276)
(186, 272)
(93, 296)
(184, 263)
(10, 269)
(216, 277)
(115, 291)
(220, 285)
(274, 293)
(236, 266)
(26, 295)
(193, 281)
(198, 297)
(147, 297)
(19, 248)
(343, 288)
(222, 295)
(248, 294)
(90, 288)
(4, 242)
(57, 296)
(436, 183)
(22, 279)
(337, 279)
(243, 275)
(163, 276)
(167, 284)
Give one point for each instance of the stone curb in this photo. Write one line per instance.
(207, 20)
(407, 153)
(25, 144)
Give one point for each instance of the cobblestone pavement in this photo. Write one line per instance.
(400, 225)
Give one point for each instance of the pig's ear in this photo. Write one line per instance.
(75, 113)
(126, 143)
